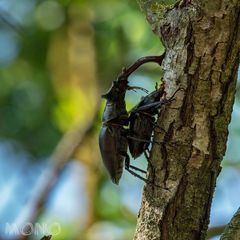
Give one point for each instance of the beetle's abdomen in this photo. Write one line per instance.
(141, 130)
(112, 145)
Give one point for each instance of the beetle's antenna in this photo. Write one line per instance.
(138, 88)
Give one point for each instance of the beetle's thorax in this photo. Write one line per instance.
(115, 110)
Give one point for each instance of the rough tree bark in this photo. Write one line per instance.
(232, 231)
(202, 41)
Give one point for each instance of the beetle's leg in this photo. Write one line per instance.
(147, 154)
(127, 163)
(137, 175)
(156, 105)
(128, 166)
(146, 107)
(137, 169)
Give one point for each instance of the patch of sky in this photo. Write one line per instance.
(17, 12)
(9, 47)
(131, 187)
(16, 181)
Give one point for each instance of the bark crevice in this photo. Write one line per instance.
(200, 60)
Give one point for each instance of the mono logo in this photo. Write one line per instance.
(28, 229)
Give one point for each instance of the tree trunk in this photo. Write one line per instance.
(202, 41)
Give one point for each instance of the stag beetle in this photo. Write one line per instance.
(113, 141)
(142, 120)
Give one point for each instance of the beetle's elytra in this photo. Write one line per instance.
(142, 121)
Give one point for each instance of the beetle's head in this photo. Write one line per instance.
(117, 90)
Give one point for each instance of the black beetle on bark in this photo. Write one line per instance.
(113, 138)
(142, 120)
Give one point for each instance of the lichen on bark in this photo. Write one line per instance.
(202, 41)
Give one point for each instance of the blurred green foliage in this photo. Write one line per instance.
(42, 93)
(28, 99)
(47, 86)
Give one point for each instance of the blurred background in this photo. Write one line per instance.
(56, 59)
